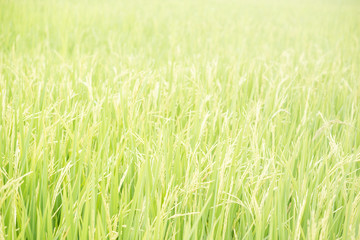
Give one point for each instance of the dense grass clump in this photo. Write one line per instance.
(186, 119)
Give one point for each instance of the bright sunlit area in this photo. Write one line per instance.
(180, 119)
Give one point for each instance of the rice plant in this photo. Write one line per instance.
(191, 119)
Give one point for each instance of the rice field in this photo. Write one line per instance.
(215, 119)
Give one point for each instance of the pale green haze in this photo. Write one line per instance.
(180, 119)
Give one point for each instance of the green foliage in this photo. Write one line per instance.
(179, 119)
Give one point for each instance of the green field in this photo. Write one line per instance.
(191, 119)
